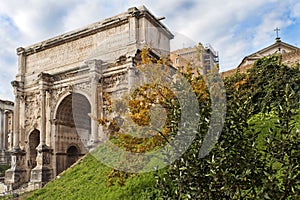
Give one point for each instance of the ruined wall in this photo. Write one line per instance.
(106, 40)
(291, 58)
(73, 54)
(153, 37)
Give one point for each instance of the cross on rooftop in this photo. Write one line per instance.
(277, 31)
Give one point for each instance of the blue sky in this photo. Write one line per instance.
(234, 28)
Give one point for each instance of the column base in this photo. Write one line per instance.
(42, 173)
(40, 176)
(16, 176)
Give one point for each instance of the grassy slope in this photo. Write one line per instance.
(88, 180)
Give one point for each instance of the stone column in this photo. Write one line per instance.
(5, 130)
(95, 74)
(5, 138)
(131, 77)
(101, 135)
(43, 118)
(16, 117)
(21, 60)
(134, 30)
(42, 173)
(16, 130)
(48, 116)
(16, 175)
(11, 139)
(94, 108)
(1, 128)
(2, 149)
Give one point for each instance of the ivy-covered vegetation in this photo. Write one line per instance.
(249, 161)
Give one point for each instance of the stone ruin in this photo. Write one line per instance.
(60, 86)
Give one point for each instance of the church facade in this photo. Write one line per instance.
(278, 47)
(290, 55)
(60, 87)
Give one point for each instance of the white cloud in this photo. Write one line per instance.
(234, 28)
(278, 16)
(296, 10)
(8, 37)
(87, 12)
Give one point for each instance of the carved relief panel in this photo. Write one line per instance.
(32, 110)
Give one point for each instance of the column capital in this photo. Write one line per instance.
(15, 84)
(43, 147)
(7, 111)
(17, 150)
(20, 51)
(93, 63)
(95, 66)
(45, 80)
(134, 12)
(45, 77)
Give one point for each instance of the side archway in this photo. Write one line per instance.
(33, 142)
(73, 154)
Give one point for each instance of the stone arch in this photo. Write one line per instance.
(72, 128)
(73, 154)
(33, 142)
(65, 94)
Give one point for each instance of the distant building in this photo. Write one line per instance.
(290, 56)
(200, 57)
(6, 127)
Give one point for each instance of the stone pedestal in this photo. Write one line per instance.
(43, 172)
(17, 174)
(5, 157)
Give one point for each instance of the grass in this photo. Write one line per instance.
(88, 180)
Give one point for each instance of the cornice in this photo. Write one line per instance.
(96, 27)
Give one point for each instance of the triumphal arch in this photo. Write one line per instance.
(60, 86)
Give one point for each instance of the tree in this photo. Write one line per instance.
(267, 81)
(237, 167)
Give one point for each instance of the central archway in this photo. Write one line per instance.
(72, 130)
